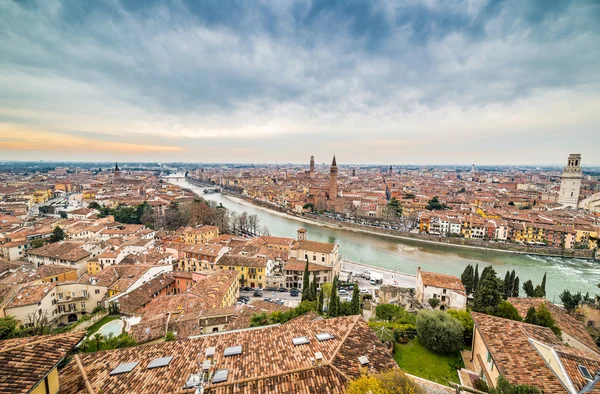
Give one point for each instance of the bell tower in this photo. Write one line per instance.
(333, 186)
(570, 182)
(311, 173)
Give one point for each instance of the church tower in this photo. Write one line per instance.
(333, 186)
(311, 173)
(390, 170)
(117, 171)
(571, 182)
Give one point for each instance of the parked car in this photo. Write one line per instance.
(257, 294)
(244, 298)
(272, 288)
(267, 299)
(294, 293)
(247, 289)
(283, 289)
(280, 302)
(363, 290)
(343, 292)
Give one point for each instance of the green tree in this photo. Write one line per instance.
(391, 382)
(170, 336)
(570, 301)
(439, 331)
(63, 215)
(8, 327)
(538, 292)
(515, 292)
(507, 285)
(306, 283)
(467, 278)
(388, 312)
(476, 278)
(94, 205)
(512, 282)
(434, 204)
(355, 303)
(313, 287)
(528, 288)
(531, 316)
(507, 310)
(260, 319)
(545, 319)
(543, 285)
(504, 387)
(321, 301)
(434, 302)
(36, 243)
(394, 207)
(489, 293)
(464, 317)
(57, 235)
(334, 299)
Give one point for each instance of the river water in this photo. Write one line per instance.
(405, 255)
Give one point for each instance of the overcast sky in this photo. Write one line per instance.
(391, 82)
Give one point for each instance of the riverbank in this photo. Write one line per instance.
(419, 238)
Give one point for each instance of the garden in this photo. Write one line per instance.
(427, 345)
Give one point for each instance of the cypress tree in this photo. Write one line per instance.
(515, 290)
(313, 287)
(334, 302)
(507, 285)
(476, 278)
(355, 303)
(306, 283)
(543, 285)
(320, 301)
(467, 278)
(488, 294)
(512, 282)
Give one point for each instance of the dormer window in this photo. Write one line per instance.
(585, 372)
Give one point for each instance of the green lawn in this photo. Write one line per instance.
(101, 322)
(416, 359)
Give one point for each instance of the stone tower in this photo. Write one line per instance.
(117, 173)
(390, 170)
(333, 186)
(311, 173)
(302, 234)
(571, 182)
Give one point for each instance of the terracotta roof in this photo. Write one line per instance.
(242, 261)
(26, 361)
(269, 362)
(571, 364)
(442, 281)
(69, 251)
(516, 358)
(314, 246)
(564, 321)
(31, 294)
(246, 312)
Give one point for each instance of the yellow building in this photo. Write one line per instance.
(197, 235)
(586, 235)
(253, 271)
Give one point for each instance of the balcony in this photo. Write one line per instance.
(70, 298)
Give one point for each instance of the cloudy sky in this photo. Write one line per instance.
(398, 82)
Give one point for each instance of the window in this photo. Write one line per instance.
(97, 291)
(83, 305)
(314, 258)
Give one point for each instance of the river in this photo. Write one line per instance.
(405, 255)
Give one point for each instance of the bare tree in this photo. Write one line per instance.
(38, 322)
(253, 222)
(265, 231)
